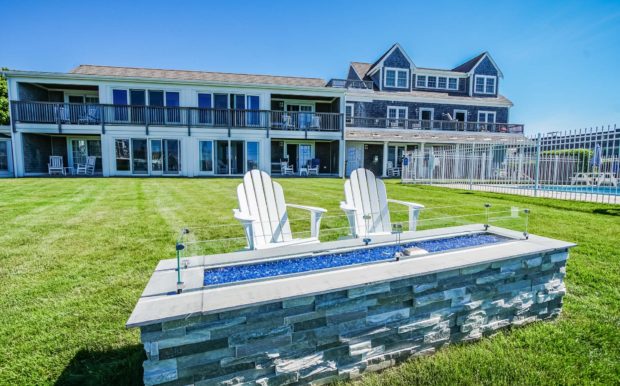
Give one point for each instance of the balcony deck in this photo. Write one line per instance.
(437, 125)
(186, 117)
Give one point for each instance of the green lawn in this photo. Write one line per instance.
(75, 255)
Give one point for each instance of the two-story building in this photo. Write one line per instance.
(152, 122)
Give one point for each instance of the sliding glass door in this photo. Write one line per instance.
(139, 154)
(157, 159)
(172, 156)
(231, 157)
(4, 156)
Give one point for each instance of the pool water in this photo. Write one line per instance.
(592, 189)
(237, 273)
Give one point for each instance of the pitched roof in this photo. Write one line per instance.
(468, 65)
(386, 53)
(360, 68)
(133, 72)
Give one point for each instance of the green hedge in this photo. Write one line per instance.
(584, 155)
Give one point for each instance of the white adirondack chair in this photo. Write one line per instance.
(262, 213)
(55, 165)
(87, 168)
(365, 196)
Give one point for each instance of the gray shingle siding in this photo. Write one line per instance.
(397, 59)
(378, 109)
(486, 67)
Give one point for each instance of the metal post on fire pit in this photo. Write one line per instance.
(486, 213)
(527, 220)
(179, 247)
(366, 218)
(397, 229)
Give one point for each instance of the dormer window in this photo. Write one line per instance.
(396, 78)
(452, 83)
(484, 84)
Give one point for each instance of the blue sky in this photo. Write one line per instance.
(560, 59)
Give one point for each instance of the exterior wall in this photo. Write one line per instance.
(485, 67)
(397, 60)
(341, 334)
(378, 109)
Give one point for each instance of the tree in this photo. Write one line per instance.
(4, 100)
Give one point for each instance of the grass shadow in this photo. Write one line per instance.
(607, 211)
(122, 366)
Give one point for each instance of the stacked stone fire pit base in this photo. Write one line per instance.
(341, 333)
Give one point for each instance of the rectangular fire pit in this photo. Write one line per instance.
(334, 310)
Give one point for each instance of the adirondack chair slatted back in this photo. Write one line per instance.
(56, 161)
(263, 199)
(367, 194)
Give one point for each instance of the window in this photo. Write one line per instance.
(396, 78)
(206, 156)
(390, 78)
(122, 155)
(396, 116)
(172, 156)
(442, 82)
(4, 156)
(348, 113)
(156, 156)
(484, 84)
(253, 117)
(486, 116)
(421, 81)
(401, 80)
(452, 83)
(139, 156)
(432, 82)
(204, 103)
(252, 155)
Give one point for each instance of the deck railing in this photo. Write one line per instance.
(418, 124)
(348, 83)
(102, 114)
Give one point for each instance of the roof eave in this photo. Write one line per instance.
(61, 75)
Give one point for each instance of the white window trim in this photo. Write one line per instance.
(349, 119)
(396, 71)
(437, 82)
(431, 109)
(198, 156)
(484, 84)
(494, 113)
(460, 111)
(448, 84)
(397, 108)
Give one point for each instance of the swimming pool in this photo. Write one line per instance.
(579, 189)
(365, 255)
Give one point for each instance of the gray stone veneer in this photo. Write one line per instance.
(338, 335)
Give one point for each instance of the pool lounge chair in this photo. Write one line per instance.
(366, 205)
(263, 215)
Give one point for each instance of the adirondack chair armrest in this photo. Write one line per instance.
(406, 203)
(308, 208)
(315, 217)
(246, 222)
(244, 218)
(346, 207)
(414, 211)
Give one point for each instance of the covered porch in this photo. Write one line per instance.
(74, 150)
(300, 155)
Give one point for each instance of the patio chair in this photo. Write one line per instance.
(55, 165)
(391, 170)
(366, 205)
(88, 168)
(286, 169)
(263, 213)
(316, 122)
(313, 166)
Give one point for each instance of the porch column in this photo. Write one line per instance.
(420, 161)
(107, 155)
(385, 159)
(342, 159)
(18, 154)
